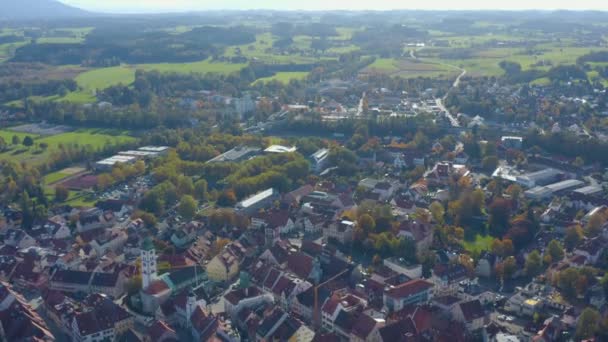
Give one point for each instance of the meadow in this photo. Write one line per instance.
(284, 77)
(409, 68)
(93, 138)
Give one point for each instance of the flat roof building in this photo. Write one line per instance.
(157, 149)
(109, 163)
(280, 149)
(257, 201)
(589, 190)
(539, 178)
(544, 192)
(139, 154)
(237, 154)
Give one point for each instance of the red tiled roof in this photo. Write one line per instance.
(300, 264)
(363, 326)
(410, 288)
(156, 287)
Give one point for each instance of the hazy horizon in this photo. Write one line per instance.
(134, 6)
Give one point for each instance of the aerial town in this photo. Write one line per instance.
(347, 205)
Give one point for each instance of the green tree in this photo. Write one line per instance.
(187, 207)
(61, 193)
(200, 189)
(567, 281)
(555, 250)
(534, 263)
(588, 324)
(15, 140)
(28, 141)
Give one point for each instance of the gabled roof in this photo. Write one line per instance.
(410, 288)
(472, 310)
(300, 264)
(363, 326)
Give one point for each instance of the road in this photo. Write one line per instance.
(360, 107)
(453, 120)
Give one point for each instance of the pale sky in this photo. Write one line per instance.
(194, 5)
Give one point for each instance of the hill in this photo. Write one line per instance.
(37, 9)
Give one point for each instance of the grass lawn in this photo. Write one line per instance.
(81, 199)
(79, 97)
(8, 135)
(481, 243)
(203, 67)
(284, 77)
(95, 139)
(105, 77)
(55, 177)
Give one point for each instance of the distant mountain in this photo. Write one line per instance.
(37, 9)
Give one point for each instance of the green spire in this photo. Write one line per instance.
(147, 245)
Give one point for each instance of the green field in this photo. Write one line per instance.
(409, 68)
(55, 177)
(284, 77)
(125, 74)
(105, 77)
(262, 50)
(95, 139)
(203, 67)
(481, 243)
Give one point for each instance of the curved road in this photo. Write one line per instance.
(453, 121)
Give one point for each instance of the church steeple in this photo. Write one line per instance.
(148, 263)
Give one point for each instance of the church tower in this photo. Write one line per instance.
(148, 263)
(190, 306)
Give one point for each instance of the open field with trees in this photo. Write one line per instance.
(35, 149)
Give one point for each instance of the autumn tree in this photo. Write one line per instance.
(574, 235)
(61, 193)
(437, 212)
(500, 212)
(588, 324)
(534, 263)
(594, 226)
(367, 224)
(227, 198)
(555, 250)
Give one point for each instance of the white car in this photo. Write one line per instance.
(502, 317)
